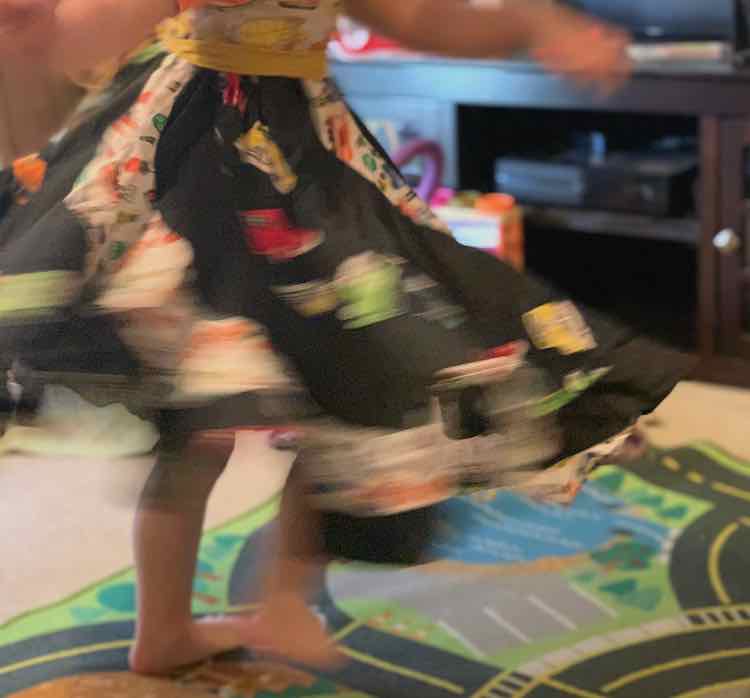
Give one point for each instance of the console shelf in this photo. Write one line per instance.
(683, 230)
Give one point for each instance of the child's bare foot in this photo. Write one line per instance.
(286, 628)
(197, 640)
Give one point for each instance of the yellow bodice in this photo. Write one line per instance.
(260, 37)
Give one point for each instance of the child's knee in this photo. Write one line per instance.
(184, 477)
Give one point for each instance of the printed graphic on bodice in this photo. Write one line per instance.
(267, 25)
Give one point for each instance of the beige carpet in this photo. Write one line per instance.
(79, 512)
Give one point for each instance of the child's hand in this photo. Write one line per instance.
(26, 27)
(582, 49)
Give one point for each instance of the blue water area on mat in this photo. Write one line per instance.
(119, 597)
(510, 528)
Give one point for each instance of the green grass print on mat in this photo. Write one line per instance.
(630, 581)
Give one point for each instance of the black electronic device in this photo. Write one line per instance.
(648, 183)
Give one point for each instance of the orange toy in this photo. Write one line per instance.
(29, 172)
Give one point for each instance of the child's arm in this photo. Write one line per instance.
(449, 27)
(89, 32)
(75, 35)
(562, 40)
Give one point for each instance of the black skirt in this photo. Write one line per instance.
(296, 221)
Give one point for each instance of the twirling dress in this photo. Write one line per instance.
(239, 251)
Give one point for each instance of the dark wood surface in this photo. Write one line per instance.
(710, 151)
(727, 370)
(676, 88)
(730, 282)
(684, 230)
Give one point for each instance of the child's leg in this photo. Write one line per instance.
(168, 528)
(286, 626)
